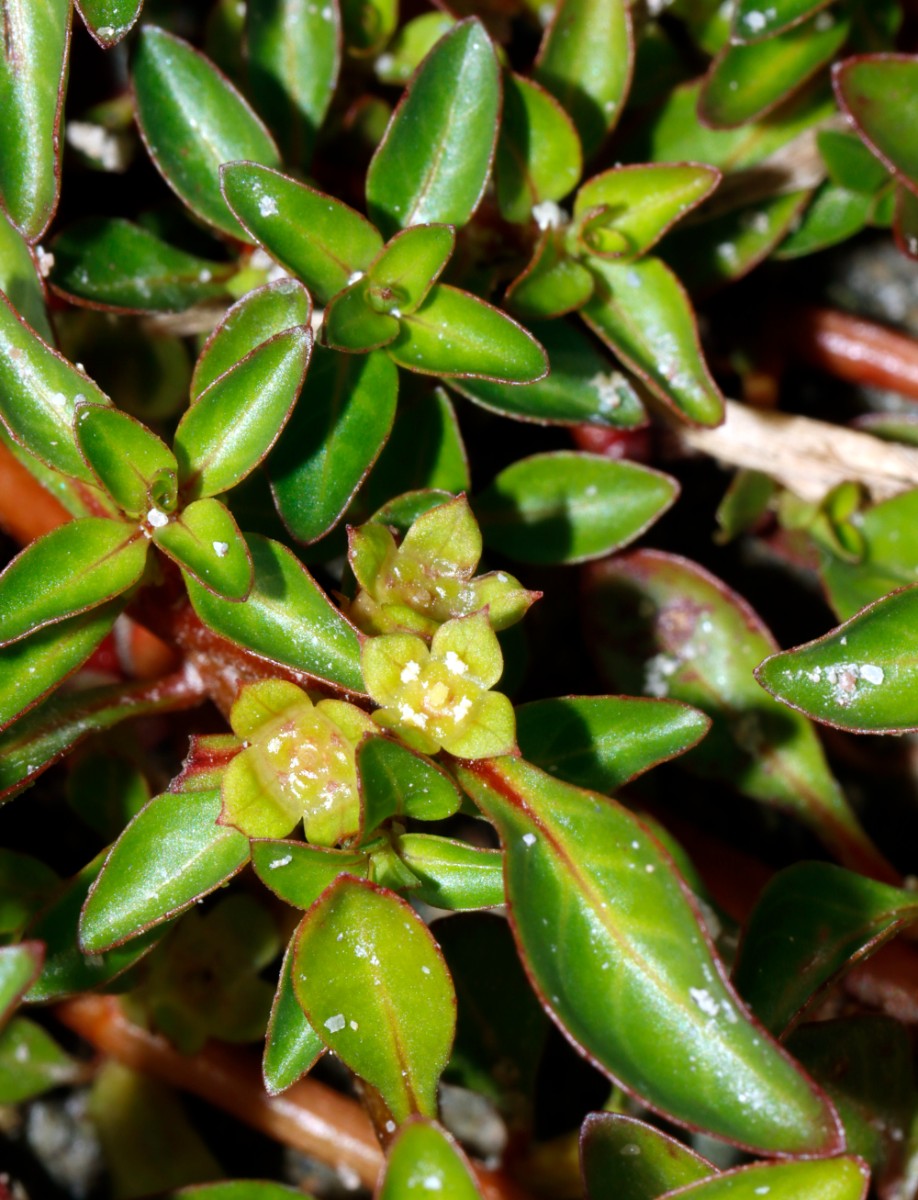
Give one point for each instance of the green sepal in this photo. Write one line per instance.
(205, 541)
(136, 468)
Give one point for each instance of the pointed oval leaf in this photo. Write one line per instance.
(812, 922)
(395, 782)
(126, 456)
(435, 159)
(878, 92)
(754, 21)
(193, 120)
(452, 874)
(76, 567)
(334, 437)
(33, 69)
(171, 855)
(552, 283)
(299, 873)
(641, 312)
(31, 1062)
(568, 507)
(456, 333)
(538, 151)
(862, 676)
(627, 1158)
(849, 162)
(292, 1046)
(205, 541)
(890, 560)
(19, 966)
(20, 279)
(39, 392)
(376, 990)
(665, 626)
(234, 423)
(606, 926)
(603, 742)
(109, 20)
(585, 61)
(826, 1179)
(294, 54)
(423, 1158)
(409, 265)
(286, 619)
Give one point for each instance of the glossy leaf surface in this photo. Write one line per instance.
(351, 325)
(825, 1179)
(538, 152)
(623, 937)
(553, 283)
(193, 120)
(376, 990)
(452, 874)
(878, 92)
(409, 265)
(632, 1160)
(172, 854)
(109, 20)
(299, 873)
(20, 280)
(753, 21)
(435, 158)
(423, 1158)
(291, 1044)
(18, 967)
(890, 558)
(134, 466)
(205, 541)
(569, 507)
(396, 782)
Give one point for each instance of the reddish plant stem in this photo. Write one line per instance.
(854, 349)
(27, 510)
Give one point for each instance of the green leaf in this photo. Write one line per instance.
(582, 385)
(251, 322)
(351, 324)
(39, 392)
(19, 966)
(862, 676)
(585, 61)
(408, 266)
(850, 164)
(435, 159)
(171, 855)
(642, 202)
(193, 120)
(31, 1062)
(335, 435)
(834, 215)
(292, 1046)
(25, 884)
(603, 742)
(747, 81)
(299, 873)
(641, 312)
(113, 263)
(234, 423)
(205, 541)
(552, 283)
(368, 24)
(286, 619)
(315, 236)
(240, 1189)
(294, 54)
(647, 639)
(812, 922)
(31, 668)
(423, 1158)
(579, 871)
(606, 926)
(33, 69)
(20, 279)
(76, 567)
(410, 43)
(452, 874)
(424, 450)
(456, 333)
(109, 20)
(396, 782)
(753, 21)
(827, 1179)
(570, 507)
(136, 468)
(627, 1158)
(878, 93)
(538, 151)
(890, 558)
(376, 990)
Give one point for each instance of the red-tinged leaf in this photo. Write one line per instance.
(19, 967)
(423, 1158)
(624, 1157)
(207, 759)
(205, 541)
(538, 151)
(21, 279)
(879, 94)
(827, 1178)
(299, 873)
(109, 20)
(292, 1046)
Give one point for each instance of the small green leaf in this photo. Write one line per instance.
(336, 432)
(112, 263)
(456, 333)
(33, 70)
(827, 1178)
(19, 966)
(408, 266)
(552, 283)
(136, 468)
(39, 392)
(31, 1062)
(25, 884)
(538, 151)
(452, 874)
(20, 279)
(76, 567)
(376, 990)
(193, 120)
(396, 782)
(286, 618)
(299, 873)
(627, 1158)
(292, 1046)
(109, 20)
(890, 558)
(585, 61)
(410, 44)
(351, 324)
(171, 855)
(603, 742)
(812, 922)
(753, 21)
(205, 541)
(642, 202)
(423, 1158)
(878, 93)
(834, 215)
(234, 423)
(862, 676)
(368, 24)
(294, 54)
(641, 312)
(578, 869)
(315, 236)
(570, 507)
(435, 158)
(850, 164)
